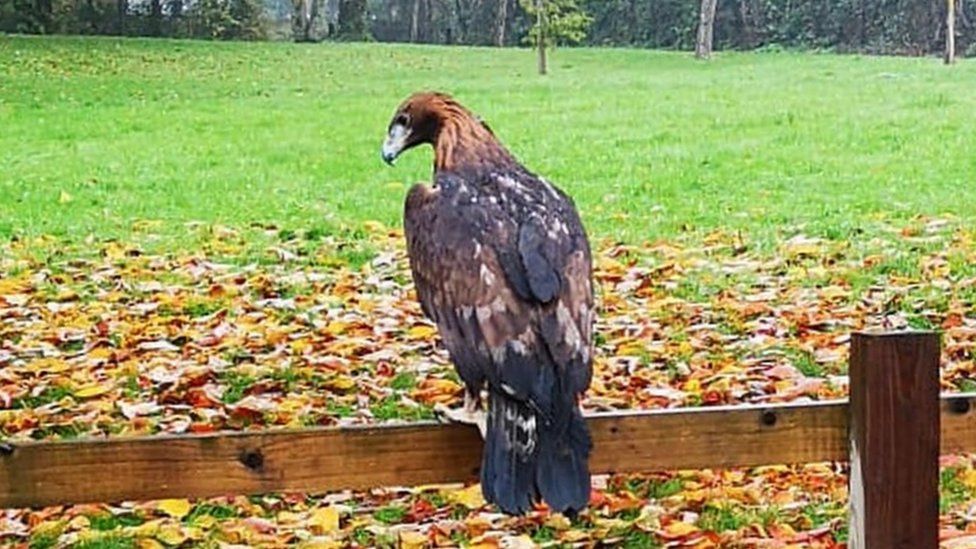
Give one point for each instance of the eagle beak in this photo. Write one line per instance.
(396, 140)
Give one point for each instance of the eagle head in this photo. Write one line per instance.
(416, 121)
(422, 117)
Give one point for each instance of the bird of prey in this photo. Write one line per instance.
(502, 266)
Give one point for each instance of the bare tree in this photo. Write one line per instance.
(351, 21)
(950, 51)
(542, 23)
(415, 21)
(304, 14)
(706, 26)
(122, 10)
(155, 17)
(331, 15)
(501, 21)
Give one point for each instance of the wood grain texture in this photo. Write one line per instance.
(894, 432)
(332, 459)
(44, 473)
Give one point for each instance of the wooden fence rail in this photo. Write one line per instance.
(887, 433)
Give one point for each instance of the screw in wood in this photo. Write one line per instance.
(768, 418)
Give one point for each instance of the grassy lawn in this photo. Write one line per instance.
(98, 133)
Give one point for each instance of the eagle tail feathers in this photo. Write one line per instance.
(509, 461)
(562, 472)
(527, 458)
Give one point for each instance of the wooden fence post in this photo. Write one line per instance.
(894, 434)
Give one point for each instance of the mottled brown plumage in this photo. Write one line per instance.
(502, 265)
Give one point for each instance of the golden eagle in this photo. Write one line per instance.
(502, 265)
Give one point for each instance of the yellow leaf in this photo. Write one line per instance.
(89, 391)
(558, 522)
(324, 520)
(634, 348)
(469, 497)
(573, 536)
(649, 518)
(51, 365)
(171, 534)
(695, 496)
(299, 345)
(679, 528)
(9, 286)
(64, 197)
(80, 522)
(204, 521)
(149, 543)
(321, 544)
(834, 292)
(412, 540)
(337, 327)
(101, 353)
(288, 517)
(785, 530)
(340, 383)
(48, 528)
(969, 479)
(147, 529)
(421, 331)
(67, 295)
(291, 405)
(113, 250)
(176, 508)
(374, 226)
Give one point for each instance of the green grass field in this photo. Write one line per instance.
(98, 133)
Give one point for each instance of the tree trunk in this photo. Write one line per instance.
(415, 21)
(501, 21)
(155, 17)
(303, 17)
(331, 13)
(706, 24)
(462, 20)
(542, 21)
(428, 33)
(748, 37)
(950, 51)
(312, 15)
(43, 16)
(352, 20)
(122, 9)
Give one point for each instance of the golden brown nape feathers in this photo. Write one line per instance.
(460, 139)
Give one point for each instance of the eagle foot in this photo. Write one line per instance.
(469, 415)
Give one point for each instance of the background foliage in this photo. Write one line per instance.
(912, 27)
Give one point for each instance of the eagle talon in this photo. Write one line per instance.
(463, 416)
